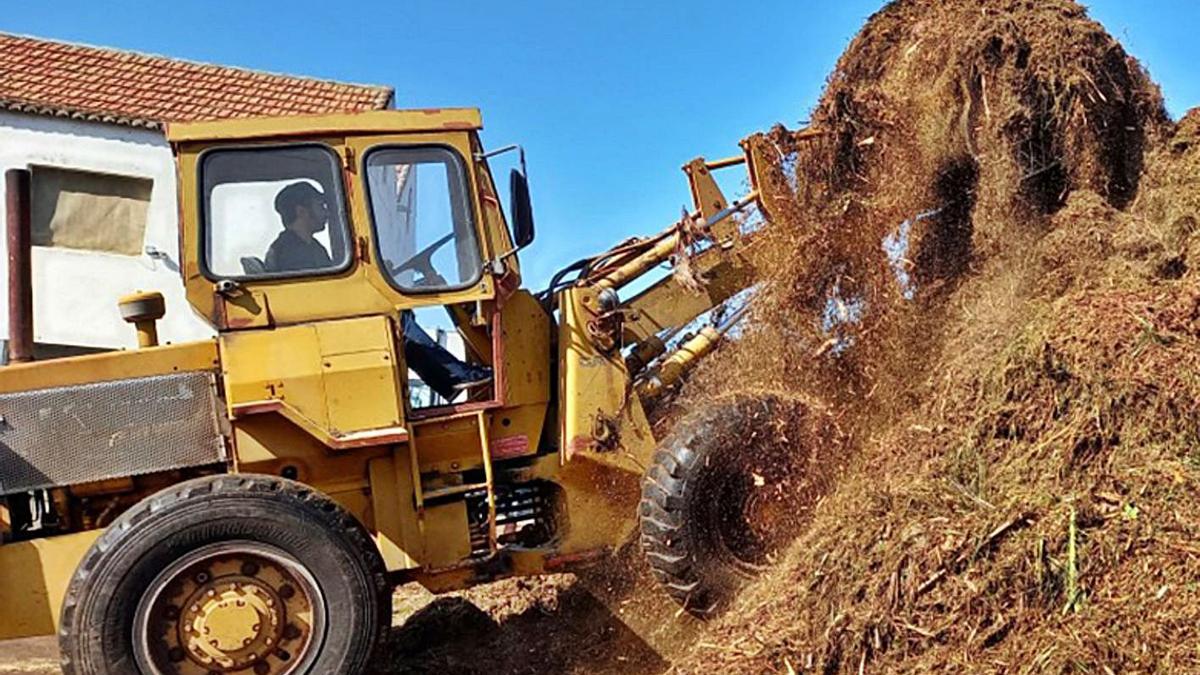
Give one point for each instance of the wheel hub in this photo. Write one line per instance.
(230, 611)
(231, 622)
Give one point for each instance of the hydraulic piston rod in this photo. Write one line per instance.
(687, 355)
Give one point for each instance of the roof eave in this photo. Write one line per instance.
(77, 114)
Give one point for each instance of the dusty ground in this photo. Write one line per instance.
(35, 655)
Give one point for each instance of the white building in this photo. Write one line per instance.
(88, 123)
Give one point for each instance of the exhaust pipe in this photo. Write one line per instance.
(20, 265)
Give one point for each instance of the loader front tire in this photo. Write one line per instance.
(725, 490)
(233, 573)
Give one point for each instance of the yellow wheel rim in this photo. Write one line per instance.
(235, 607)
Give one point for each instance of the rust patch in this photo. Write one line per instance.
(256, 408)
(513, 446)
(400, 436)
(578, 444)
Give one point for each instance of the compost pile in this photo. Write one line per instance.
(986, 265)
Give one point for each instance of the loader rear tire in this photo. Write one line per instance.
(719, 500)
(286, 579)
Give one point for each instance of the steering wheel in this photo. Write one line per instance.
(423, 262)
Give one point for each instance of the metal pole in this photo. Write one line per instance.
(20, 265)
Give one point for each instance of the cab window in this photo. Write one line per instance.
(273, 212)
(423, 220)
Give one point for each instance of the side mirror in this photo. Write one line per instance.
(520, 208)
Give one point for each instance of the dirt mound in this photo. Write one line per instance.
(950, 131)
(986, 267)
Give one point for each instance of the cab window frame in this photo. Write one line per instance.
(460, 165)
(339, 193)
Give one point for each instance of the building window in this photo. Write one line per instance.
(89, 211)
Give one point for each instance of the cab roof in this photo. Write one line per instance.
(378, 121)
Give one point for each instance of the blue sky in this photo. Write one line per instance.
(608, 98)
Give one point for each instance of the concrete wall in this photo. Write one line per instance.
(75, 292)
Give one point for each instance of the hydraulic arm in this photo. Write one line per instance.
(615, 353)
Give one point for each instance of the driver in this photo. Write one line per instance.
(305, 212)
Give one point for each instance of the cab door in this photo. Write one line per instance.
(427, 255)
(428, 250)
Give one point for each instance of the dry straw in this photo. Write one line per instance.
(1015, 389)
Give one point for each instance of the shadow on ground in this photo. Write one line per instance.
(452, 636)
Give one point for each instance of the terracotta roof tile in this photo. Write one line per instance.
(94, 83)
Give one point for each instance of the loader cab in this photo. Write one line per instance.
(312, 245)
(311, 221)
(409, 216)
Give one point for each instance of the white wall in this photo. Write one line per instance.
(75, 292)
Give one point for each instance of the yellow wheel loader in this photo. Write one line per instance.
(246, 504)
